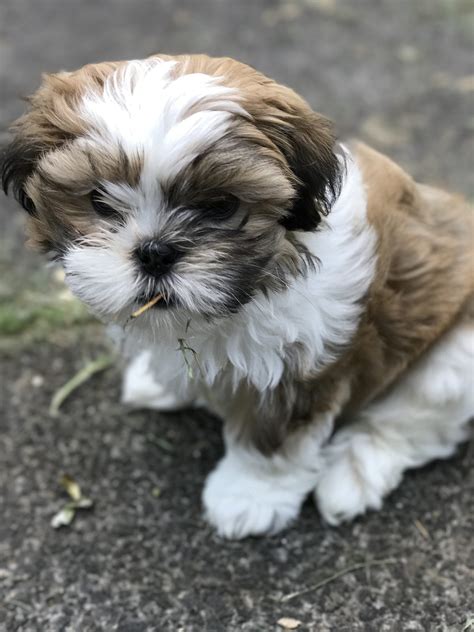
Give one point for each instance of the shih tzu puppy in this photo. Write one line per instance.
(312, 295)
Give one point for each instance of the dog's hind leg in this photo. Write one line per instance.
(423, 417)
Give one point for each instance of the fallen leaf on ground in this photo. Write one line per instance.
(63, 518)
(288, 623)
(469, 625)
(71, 487)
(66, 515)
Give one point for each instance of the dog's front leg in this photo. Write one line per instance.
(141, 388)
(249, 493)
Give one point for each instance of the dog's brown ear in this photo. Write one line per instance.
(304, 138)
(307, 142)
(34, 133)
(17, 162)
(51, 121)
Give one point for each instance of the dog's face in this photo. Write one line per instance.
(182, 176)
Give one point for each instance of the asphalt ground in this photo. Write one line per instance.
(399, 75)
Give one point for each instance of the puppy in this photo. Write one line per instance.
(312, 295)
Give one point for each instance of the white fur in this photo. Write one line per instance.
(169, 121)
(424, 417)
(102, 275)
(248, 494)
(140, 390)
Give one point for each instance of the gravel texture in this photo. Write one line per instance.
(400, 75)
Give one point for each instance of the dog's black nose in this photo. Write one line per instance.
(156, 257)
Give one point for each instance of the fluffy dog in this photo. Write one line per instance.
(312, 295)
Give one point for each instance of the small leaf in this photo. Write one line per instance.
(288, 623)
(63, 518)
(469, 624)
(83, 503)
(71, 487)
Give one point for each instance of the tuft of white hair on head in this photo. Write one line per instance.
(144, 109)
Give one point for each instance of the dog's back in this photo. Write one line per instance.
(425, 272)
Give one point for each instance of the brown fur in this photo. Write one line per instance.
(425, 273)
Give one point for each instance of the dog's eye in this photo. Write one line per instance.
(100, 205)
(221, 208)
(26, 202)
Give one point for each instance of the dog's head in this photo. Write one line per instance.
(184, 176)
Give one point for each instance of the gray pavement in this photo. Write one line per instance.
(400, 75)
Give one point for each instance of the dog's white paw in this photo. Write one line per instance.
(240, 504)
(360, 470)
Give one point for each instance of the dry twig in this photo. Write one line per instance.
(331, 578)
(422, 529)
(99, 364)
(144, 308)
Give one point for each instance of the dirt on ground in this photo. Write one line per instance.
(399, 75)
